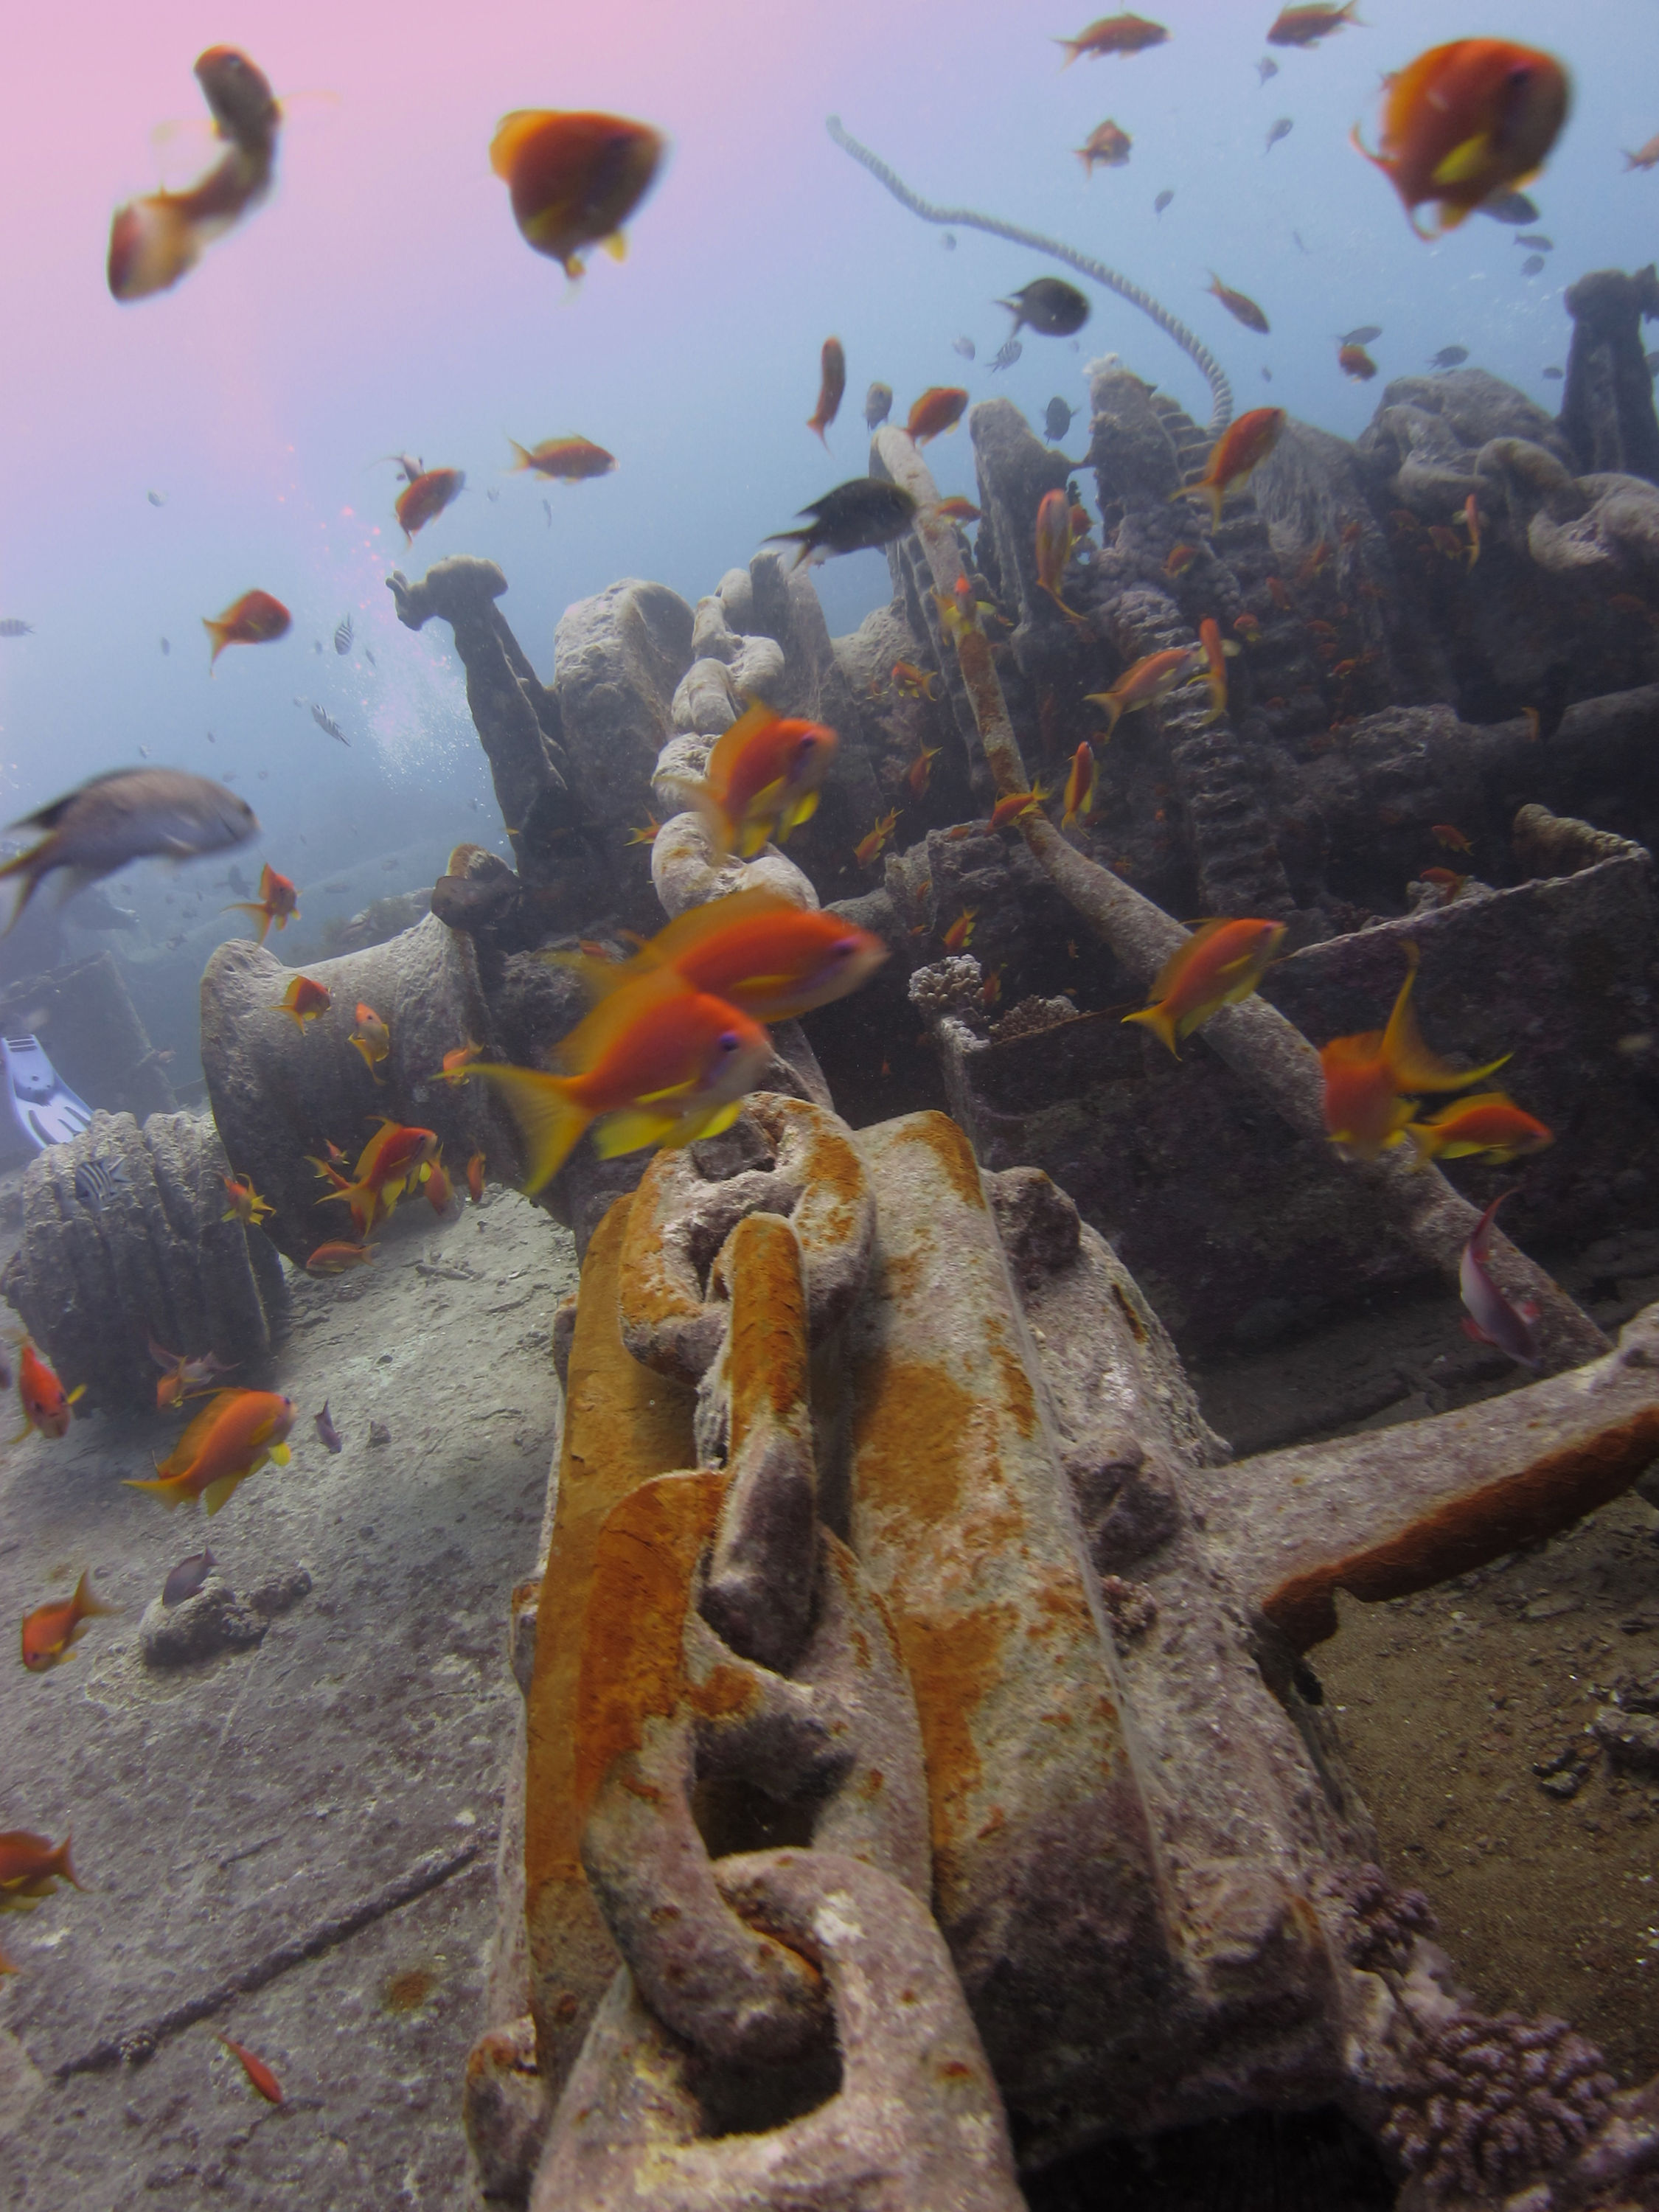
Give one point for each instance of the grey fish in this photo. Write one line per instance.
(1282, 129)
(166, 648)
(1448, 357)
(1058, 419)
(878, 405)
(547, 509)
(156, 498)
(369, 658)
(1362, 336)
(96, 1183)
(1050, 306)
(1532, 265)
(187, 1578)
(949, 241)
(1006, 356)
(326, 722)
(327, 1431)
(1555, 375)
(127, 814)
(492, 494)
(343, 634)
(1510, 207)
(316, 644)
(1264, 68)
(1162, 202)
(1537, 238)
(11, 627)
(852, 517)
(964, 347)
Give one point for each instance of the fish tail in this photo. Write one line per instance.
(362, 1045)
(1161, 1023)
(30, 867)
(548, 1115)
(217, 631)
(524, 460)
(701, 801)
(85, 1603)
(1113, 710)
(1426, 1142)
(165, 1488)
(153, 242)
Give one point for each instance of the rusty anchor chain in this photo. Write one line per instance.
(738, 1682)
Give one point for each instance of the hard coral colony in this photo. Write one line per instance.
(918, 1701)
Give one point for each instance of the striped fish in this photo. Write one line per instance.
(343, 634)
(324, 721)
(1008, 355)
(96, 1183)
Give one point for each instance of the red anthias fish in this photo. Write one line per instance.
(231, 1438)
(395, 1161)
(832, 384)
(1113, 34)
(941, 407)
(1241, 448)
(45, 1401)
(303, 1000)
(50, 1632)
(761, 781)
(255, 619)
(278, 902)
(1370, 1079)
(574, 177)
(31, 1868)
(155, 240)
(1467, 123)
(426, 495)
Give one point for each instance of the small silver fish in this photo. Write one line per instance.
(1365, 335)
(128, 814)
(1536, 238)
(1448, 357)
(187, 1578)
(547, 509)
(316, 644)
(964, 346)
(11, 627)
(1533, 264)
(156, 498)
(1510, 207)
(369, 658)
(343, 634)
(96, 1183)
(1282, 129)
(949, 241)
(878, 405)
(1162, 202)
(326, 1430)
(1491, 1318)
(166, 648)
(1555, 375)
(1006, 356)
(326, 722)
(1264, 68)
(493, 494)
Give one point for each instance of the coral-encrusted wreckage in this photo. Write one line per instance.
(922, 1779)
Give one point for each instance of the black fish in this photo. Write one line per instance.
(1264, 68)
(1536, 238)
(949, 241)
(1058, 419)
(1282, 129)
(1448, 357)
(1532, 265)
(187, 1578)
(166, 648)
(325, 721)
(11, 627)
(1555, 375)
(1006, 356)
(1162, 202)
(878, 405)
(327, 1431)
(96, 1183)
(853, 517)
(1510, 207)
(343, 634)
(1050, 306)
(1362, 336)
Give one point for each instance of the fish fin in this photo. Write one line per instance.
(281, 1454)
(710, 1125)
(168, 1493)
(86, 1604)
(631, 1131)
(161, 1356)
(1159, 1023)
(616, 245)
(1168, 975)
(1463, 162)
(219, 1492)
(692, 928)
(728, 747)
(550, 1119)
(696, 798)
(756, 833)
(1472, 1329)
(803, 810)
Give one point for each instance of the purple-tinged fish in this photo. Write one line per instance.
(327, 1431)
(1492, 1319)
(187, 1578)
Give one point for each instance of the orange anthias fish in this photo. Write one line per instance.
(278, 902)
(155, 240)
(1446, 834)
(395, 1161)
(1113, 34)
(917, 775)
(870, 847)
(50, 1632)
(425, 496)
(1221, 964)
(1080, 784)
(1106, 144)
(475, 1178)
(1467, 122)
(458, 1062)
(1645, 157)
(1489, 1123)
(1152, 678)
(912, 683)
(1306, 25)
(941, 407)
(575, 178)
(832, 383)
(1471, 523)
(956, 508)
(231, 1438)
(1179, 559)
(1055, 542)
(565, 460)
(656, 1064)
(255, 619)
(960, 934)
(761, 781)
(371, 1038)
(1216, 651)
(31, 1868)
(1016, 806)
(1370, 1078)
(440, 1190)
(1354, 361)
(256, 2072)
(1446, 881)
(181, 1375)
(1240, 449)
(1248, 628)
(336, 1258)
(756, 950)
(1240, 305)
(303, 1000)
(245, 1204)
(44, 1402)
